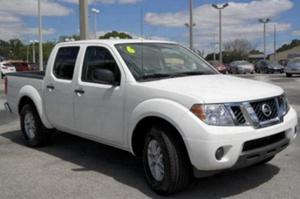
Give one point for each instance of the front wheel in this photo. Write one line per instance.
(2, 75)
(34, 132)
(165, 161)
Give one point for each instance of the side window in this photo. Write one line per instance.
(65, 62)
(99, 58)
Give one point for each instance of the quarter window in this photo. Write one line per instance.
(65, 62)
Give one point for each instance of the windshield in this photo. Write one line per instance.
(242, 62)
(148, 61)
(272, 63)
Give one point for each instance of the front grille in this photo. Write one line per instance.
(258, 109)
(262, 142)
(238, 114)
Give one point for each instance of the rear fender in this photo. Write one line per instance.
(33, 94)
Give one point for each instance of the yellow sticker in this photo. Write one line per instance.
(130, 50)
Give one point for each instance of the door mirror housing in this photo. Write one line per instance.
(104, 76)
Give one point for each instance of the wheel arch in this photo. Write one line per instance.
(166, 113)
(29, 95)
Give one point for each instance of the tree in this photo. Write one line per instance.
(238, 49)
(294, 43)
(115, 34)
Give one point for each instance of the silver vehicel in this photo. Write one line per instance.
(293, 67)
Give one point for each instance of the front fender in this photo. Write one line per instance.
(33, 94)
(166, 109)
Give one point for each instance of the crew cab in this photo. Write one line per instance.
(157, 100)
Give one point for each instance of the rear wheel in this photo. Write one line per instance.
(2, 75)
(34, 132)
(288, 74)
(166, 163)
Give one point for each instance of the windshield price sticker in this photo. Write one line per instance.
(130, 50)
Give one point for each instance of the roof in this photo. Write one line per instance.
(115, 41)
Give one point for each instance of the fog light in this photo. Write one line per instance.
(220, 153)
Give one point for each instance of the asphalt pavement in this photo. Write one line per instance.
(72, 167)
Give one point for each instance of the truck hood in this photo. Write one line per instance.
(217, 88)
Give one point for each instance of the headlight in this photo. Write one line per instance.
(284, 104)
(213, 114)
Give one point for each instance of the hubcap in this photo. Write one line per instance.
(155, 160)
(29, 124)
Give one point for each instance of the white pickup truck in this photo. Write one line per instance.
(157, 100)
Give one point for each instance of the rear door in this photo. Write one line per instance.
(59, 88)
(99, 106)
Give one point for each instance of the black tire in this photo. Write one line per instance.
(288, 74)
(177, 167)
(41, 135)
(265, 161)
(2, 75)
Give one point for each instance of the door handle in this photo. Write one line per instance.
(79, 91)
(50, 87)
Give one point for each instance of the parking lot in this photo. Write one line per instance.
(72, 167)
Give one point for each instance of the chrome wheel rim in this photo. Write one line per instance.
(29, 125)
(155, 160)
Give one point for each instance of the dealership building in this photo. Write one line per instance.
(287, 54)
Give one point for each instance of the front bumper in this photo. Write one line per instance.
(205, 140)
(290, 71)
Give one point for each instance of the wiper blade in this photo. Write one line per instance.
(154, 76)
(187, 74)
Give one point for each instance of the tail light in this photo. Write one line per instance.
(5, 85)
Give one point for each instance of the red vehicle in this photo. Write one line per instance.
(20, 65)
(220, 67)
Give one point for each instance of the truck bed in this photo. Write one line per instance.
(31, 74)
(16, 81)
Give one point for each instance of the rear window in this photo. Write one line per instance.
(65, 62)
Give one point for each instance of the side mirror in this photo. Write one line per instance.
(104, 76)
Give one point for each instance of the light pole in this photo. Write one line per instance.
(264, 21)
(84, 24)
(191, 25)
(220, 8)
(96, 12)
(41, 64)
(33, 49)
(275, 42)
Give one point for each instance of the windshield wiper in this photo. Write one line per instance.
(172, 75)
(187, 74)
(155, 76)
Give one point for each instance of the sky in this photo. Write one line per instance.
(156, 19)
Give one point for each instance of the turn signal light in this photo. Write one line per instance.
(198, 111)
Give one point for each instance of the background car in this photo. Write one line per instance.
(20, 66)
(293, 67)
(33, 67)
(283, 62)
(220, 67)
(266, 66)
(5, 68)
(241, 67)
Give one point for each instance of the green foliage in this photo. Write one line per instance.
(115, 34)
(294, 43)
(15, 49)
